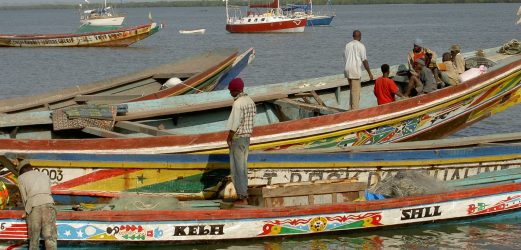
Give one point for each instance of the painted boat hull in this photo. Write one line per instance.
(87, 178)
(428, 116)
(319, 20)
(285, 26)
(205, 72)
(114, 38)
(178, 226)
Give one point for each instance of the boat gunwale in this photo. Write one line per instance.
(266, 213)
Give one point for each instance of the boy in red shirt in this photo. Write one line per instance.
(385, 88)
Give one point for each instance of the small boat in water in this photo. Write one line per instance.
(196, 31)
(315, 18)
(113, 38)
(262, 17)
(103, 16)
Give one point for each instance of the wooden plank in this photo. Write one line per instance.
(6, 163)
(308, 106)
(180, 75)
(103, 133)
(105, 98)
(312, 189)
(317, 98)
(142, 128)
(193, 108)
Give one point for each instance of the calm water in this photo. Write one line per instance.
(388, 33)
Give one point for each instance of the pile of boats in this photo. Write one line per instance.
(159, 133)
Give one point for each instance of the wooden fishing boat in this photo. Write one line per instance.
(333, 208)
(113, 38)
(198, 73)
(270, 19)
(303, 114)
(93, 178)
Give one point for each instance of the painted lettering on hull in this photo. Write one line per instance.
(199, 230)
(422, 212)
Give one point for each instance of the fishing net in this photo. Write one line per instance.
(409, 182)
(511, 48)
(478, 60)
(133, 202)
(144, 203)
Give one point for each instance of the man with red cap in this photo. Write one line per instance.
(240, 126)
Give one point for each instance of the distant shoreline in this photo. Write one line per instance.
(210, 3)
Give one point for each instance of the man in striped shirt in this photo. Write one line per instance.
(240, 126)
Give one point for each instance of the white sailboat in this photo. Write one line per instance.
(104, 16)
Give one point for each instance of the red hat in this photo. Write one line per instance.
(236, 84)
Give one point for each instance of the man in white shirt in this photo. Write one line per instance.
(240, 126)
(457, 58)
(35, 189)
(354, 58)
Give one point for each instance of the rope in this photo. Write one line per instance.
(511, 48)
(142, 206)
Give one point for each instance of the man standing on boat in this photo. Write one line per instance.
(240, 126)
(354, 58)
(40, 214)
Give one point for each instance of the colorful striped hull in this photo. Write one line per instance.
(430, 116)
(178, 226)
(80, 177)
(113, 38)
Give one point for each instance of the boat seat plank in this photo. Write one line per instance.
(61, 105)
(142, 128)
(192, 108)
(103, 133)
(317, 98)
(308, 106)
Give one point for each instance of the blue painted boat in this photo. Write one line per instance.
(90, 177)
(319, 20)
(315, 18)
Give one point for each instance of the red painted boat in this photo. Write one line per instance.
(270, 19)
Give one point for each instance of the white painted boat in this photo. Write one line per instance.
(196, 31)
(104, 16)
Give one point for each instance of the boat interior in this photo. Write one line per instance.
(211, 117)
